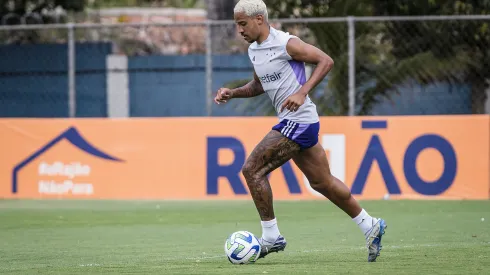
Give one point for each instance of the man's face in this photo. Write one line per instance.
(249, 26)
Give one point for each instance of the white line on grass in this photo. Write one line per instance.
(89, 265)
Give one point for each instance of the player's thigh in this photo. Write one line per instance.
(313, 163)
(271, 152)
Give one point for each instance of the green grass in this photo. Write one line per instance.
(127, 237)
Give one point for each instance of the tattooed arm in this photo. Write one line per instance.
(251, 89)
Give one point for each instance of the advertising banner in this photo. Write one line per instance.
(414, 157)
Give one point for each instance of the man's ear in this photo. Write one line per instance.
(260, 19)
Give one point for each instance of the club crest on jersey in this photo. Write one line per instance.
(270, 78)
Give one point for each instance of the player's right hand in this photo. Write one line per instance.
(223, 95)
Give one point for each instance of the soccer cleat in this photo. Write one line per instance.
(267, 247)
(373, 239)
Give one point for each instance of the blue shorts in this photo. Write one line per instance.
(306, 135)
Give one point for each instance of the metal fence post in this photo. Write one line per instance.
(209, 69)
(72, 104)
(352, 64)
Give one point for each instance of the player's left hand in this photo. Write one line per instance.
(293, 102)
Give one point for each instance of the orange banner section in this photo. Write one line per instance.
(417, 157)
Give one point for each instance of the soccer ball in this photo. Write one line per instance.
(242, 247)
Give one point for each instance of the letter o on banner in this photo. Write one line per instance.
(450, 164)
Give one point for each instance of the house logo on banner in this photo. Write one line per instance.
(58, 175)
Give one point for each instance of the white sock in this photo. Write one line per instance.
(270, 231)
(364, 221)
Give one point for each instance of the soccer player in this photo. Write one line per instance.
(279, 61)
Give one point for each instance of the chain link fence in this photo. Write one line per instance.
(151, 70)
(383, 66)
(432, 65)
(27, 86)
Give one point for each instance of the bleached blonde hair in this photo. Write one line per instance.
(252, 8)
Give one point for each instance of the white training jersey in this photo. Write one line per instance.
(281, 76)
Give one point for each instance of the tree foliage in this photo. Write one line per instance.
(388, 54)
(449, 51)
(14, 12)
(391, 54)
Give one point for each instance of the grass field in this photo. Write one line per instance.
(121, 237)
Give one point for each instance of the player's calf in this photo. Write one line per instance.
(260, 190)
(272, 152)
(337, 192)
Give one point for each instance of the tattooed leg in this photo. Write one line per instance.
(272, 152)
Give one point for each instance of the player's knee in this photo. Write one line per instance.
(322, 184)
(249, 171)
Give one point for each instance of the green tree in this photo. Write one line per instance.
(146, 3)
(392, 54)
(23, 7)
(16, 12)
(30, 11)
(454, 52)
